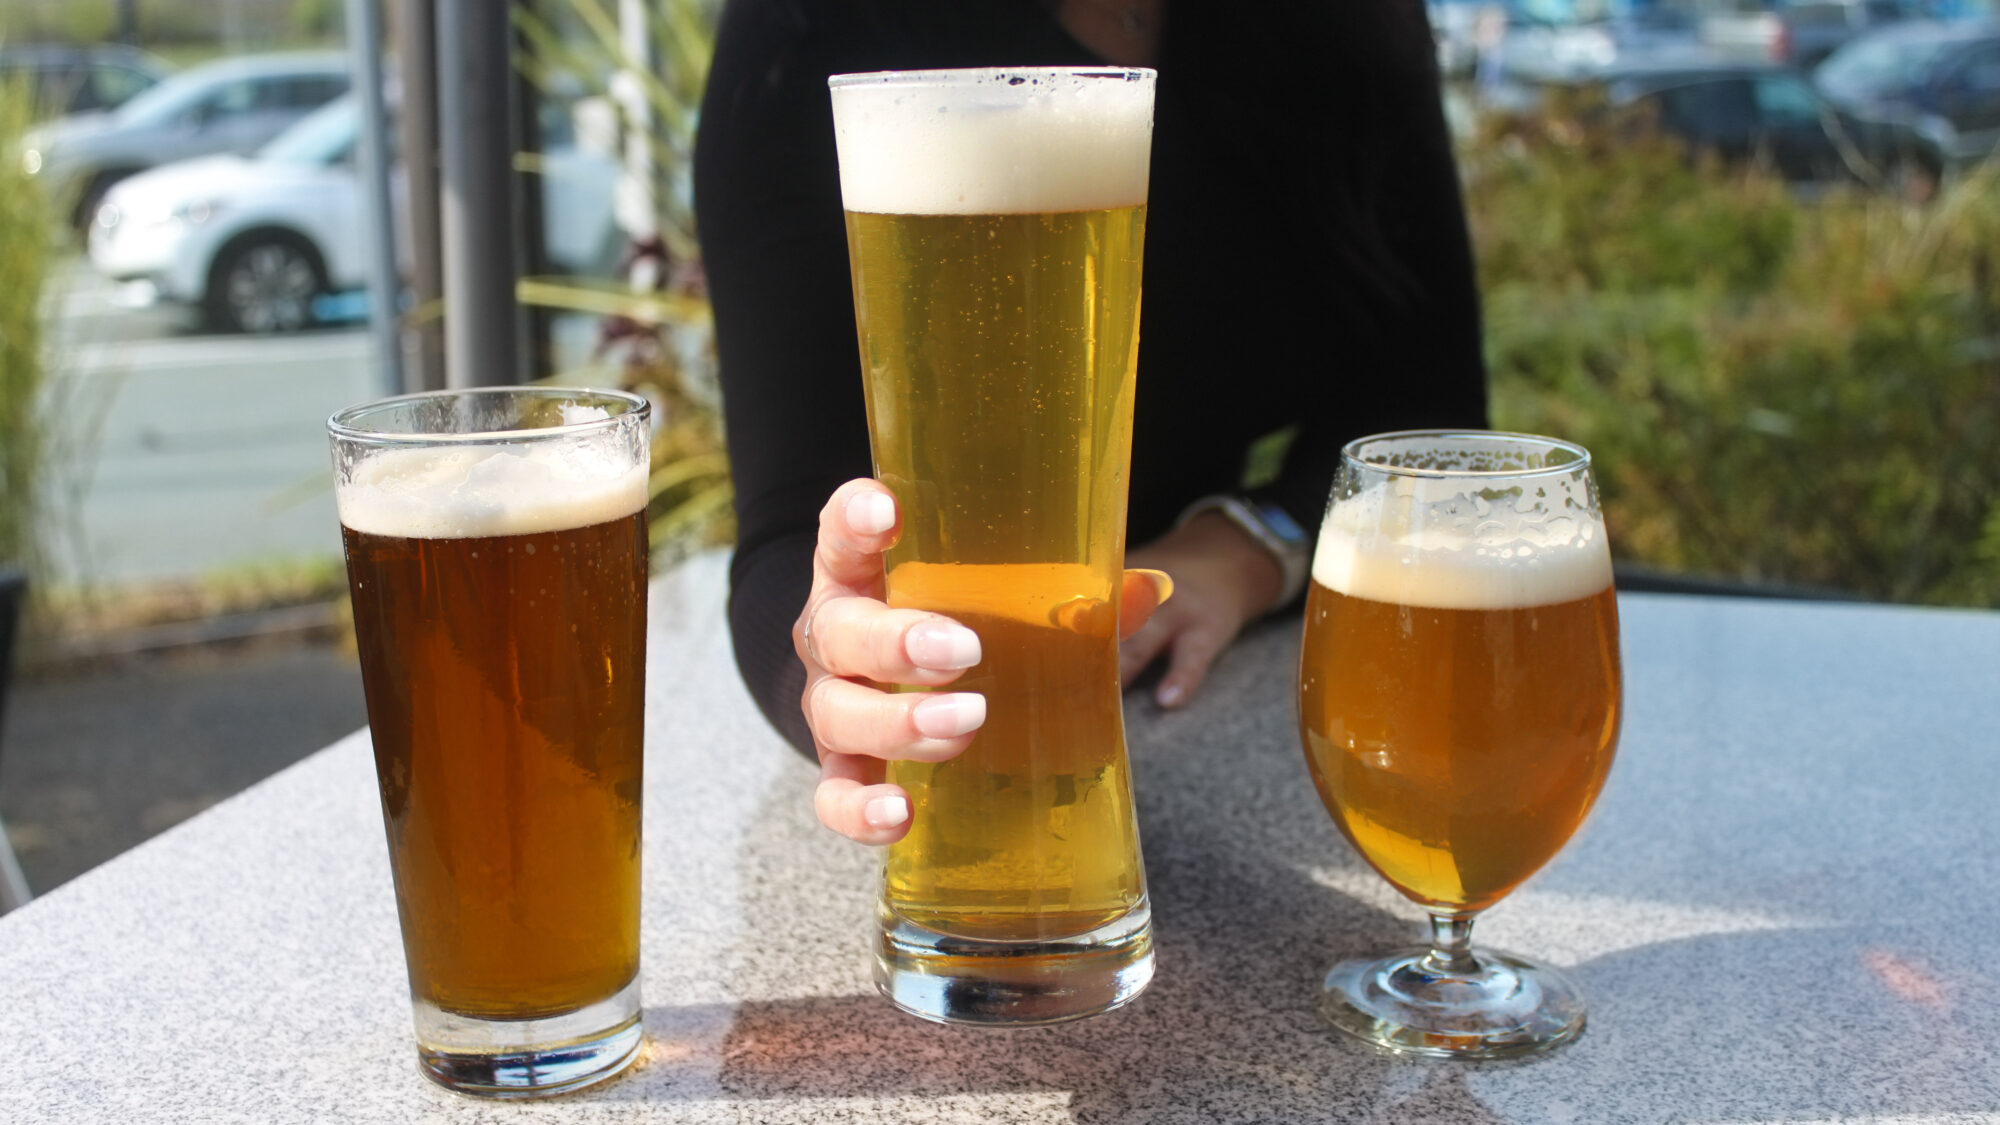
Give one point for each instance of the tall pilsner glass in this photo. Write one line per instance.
(1459, 701)
(995, 220)
(496, 553)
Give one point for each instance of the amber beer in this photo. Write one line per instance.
(995, 223)
(499, 595)
(1459, 709)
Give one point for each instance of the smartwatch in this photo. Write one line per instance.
(1272, 528)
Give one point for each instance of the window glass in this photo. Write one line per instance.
(322, 137)
(1706, 111)
(191, 363)
(295, 92)
(227, 100)
(1785, 101)
(111, 86)
(1980, 73)
(1877, 64)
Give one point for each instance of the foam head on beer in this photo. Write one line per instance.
(481, 491)
(996, 142)
(1446, 544)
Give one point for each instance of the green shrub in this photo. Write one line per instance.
(1774, 389)
(665, 335)
(25, 250)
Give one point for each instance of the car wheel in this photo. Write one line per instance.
(265, 284)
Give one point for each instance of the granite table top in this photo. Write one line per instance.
(1786, 908)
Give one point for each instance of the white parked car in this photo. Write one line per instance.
(257, 242)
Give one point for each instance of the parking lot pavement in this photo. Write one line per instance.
(93, 763)
(190, 454)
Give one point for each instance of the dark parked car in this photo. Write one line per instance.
(64, 79)
(1935, 86)
(1746, 112)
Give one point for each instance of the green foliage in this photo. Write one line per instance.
(65, 21)
(319, 19)
(1774, 389)
(662, 336)
(163, 25)
(579, 45)
(25, 252)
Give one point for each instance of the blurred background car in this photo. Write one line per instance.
(232, 106)
(1539, 49)
(1764, 113)
(64, 80)
(1744, 113)
(1935, 86)
(259, 243)
(1800, 33)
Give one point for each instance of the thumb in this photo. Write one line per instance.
(1143, 592)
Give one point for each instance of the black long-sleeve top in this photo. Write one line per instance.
(1307, 264)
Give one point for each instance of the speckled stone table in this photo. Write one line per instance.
(1786, 909)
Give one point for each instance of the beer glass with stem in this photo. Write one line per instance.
(1459, 703)
(995, 222)
(496, 554)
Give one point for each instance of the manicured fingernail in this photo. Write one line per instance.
(1170, 695)
(870, 513)
(942, 647)
(1163, 583)
(886, 812)
(948, 716)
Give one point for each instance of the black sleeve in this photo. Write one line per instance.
(1417, 300)
(775, 249)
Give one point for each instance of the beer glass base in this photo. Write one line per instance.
(528, 1058)
(982, 983)
(1506, 1008)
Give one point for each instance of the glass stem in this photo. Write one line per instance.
(1451, 946)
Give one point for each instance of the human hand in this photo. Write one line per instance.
(1223, 580)
(850, 641)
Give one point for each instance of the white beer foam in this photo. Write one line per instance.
(451, 492)
(1003, 142)
(1403, 545)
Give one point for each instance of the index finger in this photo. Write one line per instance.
(857, 524)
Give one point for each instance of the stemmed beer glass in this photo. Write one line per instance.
(1459, 702)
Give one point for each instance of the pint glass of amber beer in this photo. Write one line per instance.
(1459, 701)
(995, 220)
(496, 554)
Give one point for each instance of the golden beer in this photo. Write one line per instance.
(995, 226)
(1030, 833)
(1000, 355)
(496, 558)
(1458, 749)
(1459, 702)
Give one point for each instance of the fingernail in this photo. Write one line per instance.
(886, 812)
(870, 513)
(948, 716)
(1170, 695)
(1163, 583)
(942, 647)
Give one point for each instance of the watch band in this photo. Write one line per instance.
(1272, 528)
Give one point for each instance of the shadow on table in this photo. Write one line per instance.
(1745, 1033)
(1725, 1027)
